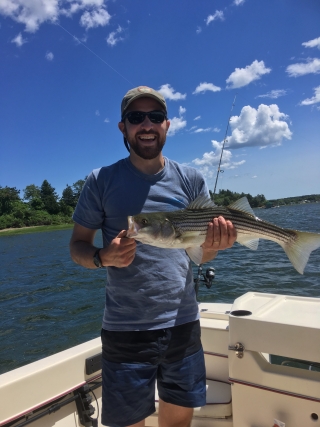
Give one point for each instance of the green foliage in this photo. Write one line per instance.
(77, 188)
(65, 209)
(31, 192)
(9, 221)
(49, 198)
(226, 197)
(68, 197)
(312, 198)
(8, 195)
(39, 206)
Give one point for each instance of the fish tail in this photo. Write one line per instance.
(299, 249)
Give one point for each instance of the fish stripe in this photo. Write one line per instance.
(197, 220)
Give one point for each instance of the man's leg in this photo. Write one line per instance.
(128, 383)
(181, 378)
(139, 424)
(173, 415)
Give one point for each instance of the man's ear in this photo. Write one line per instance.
(122, 128)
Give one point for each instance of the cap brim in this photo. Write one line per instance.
(144, 95)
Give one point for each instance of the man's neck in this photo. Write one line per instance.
(149, 167)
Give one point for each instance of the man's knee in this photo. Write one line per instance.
(174, 416)
(139, 424)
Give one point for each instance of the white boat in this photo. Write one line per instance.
(244, 387)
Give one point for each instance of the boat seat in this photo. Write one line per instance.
(218, 403)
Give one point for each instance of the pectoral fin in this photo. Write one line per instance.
(250, 242)
(195, 254)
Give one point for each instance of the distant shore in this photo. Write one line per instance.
(34, 229)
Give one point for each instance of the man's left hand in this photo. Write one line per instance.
(221, 235)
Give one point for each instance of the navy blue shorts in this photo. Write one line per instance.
(132, 361)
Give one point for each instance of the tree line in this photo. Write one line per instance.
(38, 205)
(226, 197)
(310, 198)
(42, 205)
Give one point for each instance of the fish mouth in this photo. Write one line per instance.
(132, 227)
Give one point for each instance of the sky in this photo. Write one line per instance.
(66, 64)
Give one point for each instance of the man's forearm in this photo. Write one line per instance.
(82, 253)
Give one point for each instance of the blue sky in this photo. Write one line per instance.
(65, 66)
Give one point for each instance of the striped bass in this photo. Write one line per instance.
(187, 228)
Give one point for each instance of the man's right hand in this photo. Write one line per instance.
(120, 252)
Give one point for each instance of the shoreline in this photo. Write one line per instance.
(34, 229)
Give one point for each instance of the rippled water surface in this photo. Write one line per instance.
(48, 304)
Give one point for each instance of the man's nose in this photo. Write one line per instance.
(147, 123)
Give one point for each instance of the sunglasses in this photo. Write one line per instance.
(137, 117)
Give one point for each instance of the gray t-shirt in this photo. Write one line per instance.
(157, 290)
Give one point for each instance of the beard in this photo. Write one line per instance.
(145, 152)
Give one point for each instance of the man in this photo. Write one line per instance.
(150, 329)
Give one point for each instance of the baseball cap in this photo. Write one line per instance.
(141, 92)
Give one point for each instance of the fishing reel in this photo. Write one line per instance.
(205, 278)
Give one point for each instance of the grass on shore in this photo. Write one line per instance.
(35, 229)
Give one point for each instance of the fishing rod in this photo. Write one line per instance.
(224, 141)
(208, 276)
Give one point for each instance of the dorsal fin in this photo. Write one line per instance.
(242, 205)
(202, 202)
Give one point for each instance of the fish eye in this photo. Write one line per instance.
(144, 221)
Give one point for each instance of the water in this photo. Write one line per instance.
(48, 303)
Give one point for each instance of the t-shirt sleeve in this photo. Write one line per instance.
(201, 187)
(89, 211)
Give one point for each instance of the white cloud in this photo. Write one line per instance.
(113, 38)
(312, 66)
(243, 76)
(49, 56)
(198, 30)
(197, 118)
(265, 126)
(195, 129)
(19, 40)
(176, 124)
(207, 164)
(182, 110)
(203, 87)
(30, 13)
(106, 120)
(217, 15)
(199, 130)
(274, 94)
(238, 2)
(314, 100)
(33, 13)
(312, 43)
(95, 18)
(97, 113)
(169, 93)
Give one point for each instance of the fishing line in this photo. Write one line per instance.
(99, 57)
(200, 274)
(224, 141)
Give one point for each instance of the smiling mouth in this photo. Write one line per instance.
(147, 137)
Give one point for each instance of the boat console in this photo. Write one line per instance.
(262, 357)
